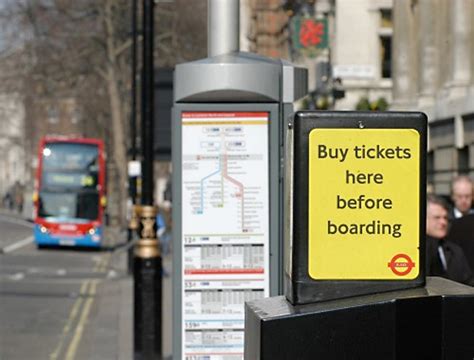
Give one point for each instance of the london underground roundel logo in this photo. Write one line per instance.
(401, 264)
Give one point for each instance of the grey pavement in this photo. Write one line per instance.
(10, 213)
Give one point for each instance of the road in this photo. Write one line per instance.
(62, 303)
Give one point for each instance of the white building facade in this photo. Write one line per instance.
(434, 72)
(361, 51)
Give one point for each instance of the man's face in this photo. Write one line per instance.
(436, 221)
(462, 196)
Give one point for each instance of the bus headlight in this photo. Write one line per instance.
(43, 230)
(91, 231)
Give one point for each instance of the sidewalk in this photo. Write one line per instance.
(12, 214)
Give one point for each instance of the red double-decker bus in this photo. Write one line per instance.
(69, 200)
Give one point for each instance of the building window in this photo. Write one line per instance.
(430, 172)
(386, 56)
(385, 43)
(386, 18)
(463, 160)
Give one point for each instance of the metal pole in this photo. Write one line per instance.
(133, 225)
(133, 118)
(148, 105)
(147, 264)
(223, 26)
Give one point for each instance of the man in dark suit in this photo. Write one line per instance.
(443, 258)
(462, 233)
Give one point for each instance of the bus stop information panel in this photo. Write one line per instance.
(225, 227)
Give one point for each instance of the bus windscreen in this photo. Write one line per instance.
(70, 205)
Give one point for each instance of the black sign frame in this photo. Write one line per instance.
(300, 288)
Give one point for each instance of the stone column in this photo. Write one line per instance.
(461, 40)
(404, 55)
(472, 46)
(428, 34)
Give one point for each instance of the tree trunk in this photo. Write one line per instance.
(118, 147)
(118, 129)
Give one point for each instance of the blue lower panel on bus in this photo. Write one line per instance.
(46, 238)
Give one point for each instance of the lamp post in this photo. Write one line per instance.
(132, 185)
(133, 117)
(147, 261)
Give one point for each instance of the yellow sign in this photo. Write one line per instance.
(364, 206)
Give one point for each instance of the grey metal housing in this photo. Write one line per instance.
(239, 77)
(235, 82)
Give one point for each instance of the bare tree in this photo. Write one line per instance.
(80, 49)
(181, 31)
